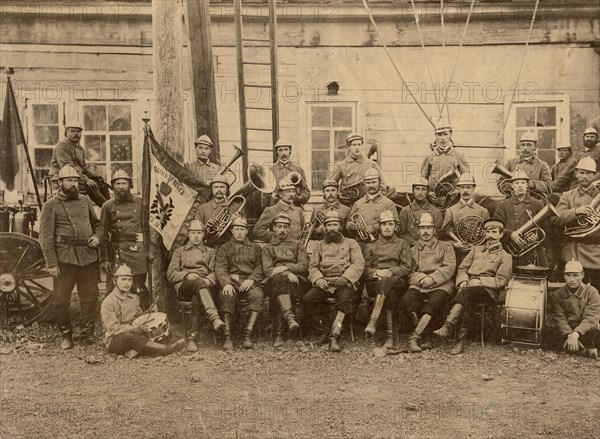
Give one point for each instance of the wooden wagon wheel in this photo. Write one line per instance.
(25, 287)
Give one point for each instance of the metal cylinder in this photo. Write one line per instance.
(20, 223)
(4, 220)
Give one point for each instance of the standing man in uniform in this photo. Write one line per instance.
(591, 149)
(563, 172)
(238, 267)
(409, 215)
(537, 171)
(69, 151)
(202, 168)
(283, 167)
(335, 268)
(70, 234)
(121, 218)
(331, 203)
(349, 173)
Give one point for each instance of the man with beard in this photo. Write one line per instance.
(219, 188)
(70, 234)
(285, 265)
(388, 263)
(349, 173)
(443, 158)
(191, 272)
(409, 216)
(202, 168)
(282, 168)
(335, 268)
(119, 309)
(482, 275)
(287, 194)
(573, 314)
(430, 283)
(591, 149)
(69, 151)
(331, 204)
(563, 172)
(466, 207)
(371, 205)
(121, 218)
(537, 171)
(238, 267)
(574, 208)
(514, 212)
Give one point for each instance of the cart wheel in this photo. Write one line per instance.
(25, 287)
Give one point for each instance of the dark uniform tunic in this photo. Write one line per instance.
(262, 229)
(537, 170)
(342, 210)
(409, 219)
(563, 174)
(350, 171)
(187, 259)
(291, 254)
(370, 207)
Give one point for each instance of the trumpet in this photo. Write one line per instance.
(587, 224)
(306, 233)
(361, 228)
(529, 230)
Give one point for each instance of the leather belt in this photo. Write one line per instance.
(71, 240)
(127, 237)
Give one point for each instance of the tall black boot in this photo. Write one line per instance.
(447, 330)
(227, 344)
(459, 346)
(247, 343)
(153, 349)
(66, 332)
(372, 325)
(211, 309)
(336, 330)
(413, 340)
(285, 302)
(279, 341)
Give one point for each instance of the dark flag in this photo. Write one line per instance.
(11, 137)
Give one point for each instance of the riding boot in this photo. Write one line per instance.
(447, 330)
(247, 343)
(227, 344)
(324, 339)
(211, 309)
(371, 327)
(389, 341)
(279, 340)
(153, 349)
(87, 332)
(336, 330)
(459, 346)
(427, 341)
(413, 340)
(285, 302)
(66, 331)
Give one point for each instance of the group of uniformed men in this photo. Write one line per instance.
(409, 263)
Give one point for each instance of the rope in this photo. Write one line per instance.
(535, 9)
(462, 39)
(416, 14)
(394, 63)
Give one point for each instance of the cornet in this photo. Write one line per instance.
(361, 228)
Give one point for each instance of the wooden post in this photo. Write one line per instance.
(203, 74)
(167, 120)
(274, 74)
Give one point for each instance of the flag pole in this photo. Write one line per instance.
(146, 171)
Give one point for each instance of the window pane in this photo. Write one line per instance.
(547, 155)
(119, 118)
(547, 139)
(45, 135)
(45, 114)
(94, 117)
(95, 148)
(43, 157)
(320, 116)
(320, 140)
(525, 116)
(546, 116)
(120, 148)
(342, 116)
(319, 168)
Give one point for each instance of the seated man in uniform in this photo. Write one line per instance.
(409, 215)
(238, 267)
(573, 314)
(388, 263)
(433, 264)
(335, 267)
(191, 272)
(285, 265)
(484, 272)
(119, 309)
(331, 203)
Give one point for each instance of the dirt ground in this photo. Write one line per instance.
(298, 391)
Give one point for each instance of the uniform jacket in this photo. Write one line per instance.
(435, 165)
(67, 220)
(370, 208)
(436, 259)
(280, 170)
(393, 253)
(262, 228)
(118, 310)
(190, 258)
(350, 171)
(67, 153)
(122, 223)
(457, 212)
(585, 250)
(335, 259)
(289, 253)
(491, 265)
(578, 311)
(243, 259)
(537, 170)
(203, 172)
(409, 218)
(563, 174)
(209, 209)
(342, 210)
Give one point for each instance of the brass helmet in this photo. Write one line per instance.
(421, 181)
(204, 140)
(121, 175)
(220, 179)
(590, 130)
(286, 183)
(196, 225)
(239, 220)
(442, 125)
(282, 142)
(465, 179)
(329, 182)
(529, 136)
(587, 164)
(67, 171)
(425, 220)
(386, 216)
(519, 175)
(371, 173)
(123, 270)
(573, 266)
(73, 123)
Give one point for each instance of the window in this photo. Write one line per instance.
(548, 117)
(329, 125)
(45, 133)
(108, 138)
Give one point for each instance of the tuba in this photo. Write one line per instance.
(505, 186)
(361, 228)
(296, 178)
(351, 193)
(444, 194)
(227, 166)
(587, 224)
(469, 230)
(529, 229)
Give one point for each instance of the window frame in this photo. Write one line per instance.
(31, 140)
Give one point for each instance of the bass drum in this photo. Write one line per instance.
(155, 325)
(524, 310)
